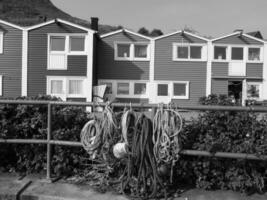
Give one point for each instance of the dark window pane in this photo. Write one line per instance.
(220, 53)
(182, 52)
(76, 43)
(254, 54)
(179, 89)
(57, 43)
(237, 53)
(195, 52)
(140, 51)
(162, 89)
(123, 50)
(139, 88)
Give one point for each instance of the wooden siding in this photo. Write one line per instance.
(255, 70)
(219, 86)
(220, 69)
(108, 68)
(236, 39)
(37, 58)
(169, 70)
(11, 61)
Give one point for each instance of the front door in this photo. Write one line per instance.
(163, 93)
(235, 91)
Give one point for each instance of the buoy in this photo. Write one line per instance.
(120, 150)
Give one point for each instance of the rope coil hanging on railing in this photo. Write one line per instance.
(142, 145)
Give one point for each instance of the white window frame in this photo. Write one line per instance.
(131, 88)
(261, 54)
(175, 52)
(1, 42)
(171, 89)
(186, 96)
(67, 51)
(65, 80)
(131, 51)
(1, 85)
(260, 90)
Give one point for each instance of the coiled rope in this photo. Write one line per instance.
(167, 124)
(99, 135)
(140, 177)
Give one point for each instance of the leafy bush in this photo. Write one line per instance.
(226, 131)
(30, 122)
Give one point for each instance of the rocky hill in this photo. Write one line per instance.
(30, 12)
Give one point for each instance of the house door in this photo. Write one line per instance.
(235, 89)
(163, 93)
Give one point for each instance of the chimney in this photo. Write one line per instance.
(94, 23)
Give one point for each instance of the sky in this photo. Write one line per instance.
(209, 17)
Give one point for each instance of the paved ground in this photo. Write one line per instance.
(29, 188)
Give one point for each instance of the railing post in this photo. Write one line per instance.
(48, 159)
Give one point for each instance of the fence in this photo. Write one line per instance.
(50, 142)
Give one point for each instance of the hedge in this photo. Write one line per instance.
(213, 131)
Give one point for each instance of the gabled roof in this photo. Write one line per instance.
(11, 24)
(256, 34)
(181, 31)
(238, 33)
(124, 30)
(60, 21)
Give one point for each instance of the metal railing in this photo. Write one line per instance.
(49, 142)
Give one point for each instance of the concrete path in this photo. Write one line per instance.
(11, 188)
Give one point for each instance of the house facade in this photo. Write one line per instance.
(54, 57)
(238, 66)
(66, 60)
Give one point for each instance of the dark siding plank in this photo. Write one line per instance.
(254, 70)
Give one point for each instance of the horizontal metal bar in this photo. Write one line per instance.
(23, 141)
(139, 105)
(183, 152)
(223, 155)
(34, 141)
(66, 143)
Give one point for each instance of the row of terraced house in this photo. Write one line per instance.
(64, 59)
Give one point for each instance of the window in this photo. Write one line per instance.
(220, 53)
(237, 53)
(183, 52)
(57, 43)
(195, 52)
(188, 52)
(180, 90)
(253, 90)
(64, 86)
(76, 87)
(124, 50)
(60, 46)
(140, 51)
(56, 87)
(131, 51)
(1, 42)
(77, 43)
(123, 89)
(139, 88)
(254, 54)
(163, 90)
